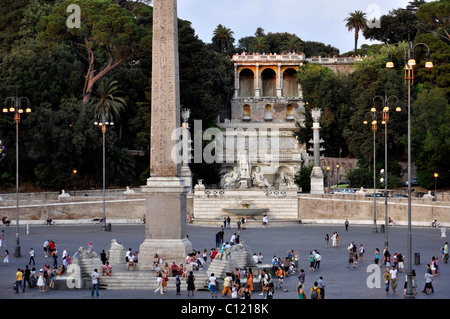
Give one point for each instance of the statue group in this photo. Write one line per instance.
(243, 177)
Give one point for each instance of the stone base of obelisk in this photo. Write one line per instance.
(165, 230)
(317, 181)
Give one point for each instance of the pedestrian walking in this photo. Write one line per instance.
(45, 247)
(327, 241)
(387, 280)
(95, 283)
(446, 252)
(19, 279)
(317, 259)
(227, 284)
(428, 282)
(6, 258)
(346, 224)
(301, 277)
(32, 254)
(393, 273)
(159, 280)
(27, 277)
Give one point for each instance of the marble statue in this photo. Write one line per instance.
(258, 178)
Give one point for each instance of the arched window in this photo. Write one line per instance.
(290, 112)
(246, 83)
(269, 77)
(268, 112)
(246, 112)
(290, 86)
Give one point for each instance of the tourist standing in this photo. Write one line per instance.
(178, 284)
(346, 224)
(212, 285)
(32, 254)
(377, 256)
(361, 252)
(190, 283)
(41, 281)
(300, 292)
(321, 285)
(95, 282)
(327, 241)
(46, 243)
(446, 252)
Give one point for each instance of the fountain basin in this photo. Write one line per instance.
(245, 211)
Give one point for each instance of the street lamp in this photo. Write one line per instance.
(385, 99)
(410, 62)
(16, 108)
(102, 120)
(373, 114)
(436, 175)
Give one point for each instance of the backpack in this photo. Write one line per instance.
(314, 293)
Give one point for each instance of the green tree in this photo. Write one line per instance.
(106, 99)
(356, 21)
(302, 178)
(436, 15)
(223, 39)
(105, 36)
(430, 129)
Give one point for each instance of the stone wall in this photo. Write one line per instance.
(359, 209)
(127, 208)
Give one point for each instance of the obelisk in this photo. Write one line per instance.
(165, 231)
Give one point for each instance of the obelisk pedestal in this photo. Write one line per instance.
(165, 232)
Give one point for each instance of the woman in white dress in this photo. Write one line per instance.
(41, 281)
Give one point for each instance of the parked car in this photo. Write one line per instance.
(343, 191)
(340, 185)
(376, 195)
(399, 196)
(413, 182)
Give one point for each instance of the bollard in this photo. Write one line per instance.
(28, 228)
(443, 230)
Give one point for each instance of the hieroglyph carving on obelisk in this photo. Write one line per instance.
(165, 89)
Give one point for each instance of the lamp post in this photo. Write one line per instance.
(385, 112)
(374, 122)
(16, 108)
(410, 62)
(436, 175)
(102, 120)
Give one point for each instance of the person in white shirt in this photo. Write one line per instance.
(213, 285)
(393, 273)
(95, 282)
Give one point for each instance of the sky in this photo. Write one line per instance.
(311, 20)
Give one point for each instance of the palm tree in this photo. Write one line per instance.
(223, 38)
(356, 20)
(259, 44)
(106, 100)
(293, 44)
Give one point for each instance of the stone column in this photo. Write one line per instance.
(257, 82)
(166, 190)
(316, 173)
